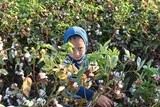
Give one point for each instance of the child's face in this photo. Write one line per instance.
(79, 47)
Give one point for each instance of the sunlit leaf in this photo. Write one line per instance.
(79, 76)
(72, 69)
(61, 75)
(48, 46)
(132, 57)
(127, 53)
(108, 61)
(2, 105)
(140, 63)
(114, 61)
(61, 88)
(48, 62)
(68, 47)
(107, 43)
(2, 60)
(3, 71)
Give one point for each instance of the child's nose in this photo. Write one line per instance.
(76, 52)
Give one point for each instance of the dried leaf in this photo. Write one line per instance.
(93, 68)
(61, 75)
(81, 102)
(26, 87)
(61, 88)
(73, 69)
(84, 78)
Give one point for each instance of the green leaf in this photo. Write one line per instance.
(108, 61)
(132, 57)
(38, 47)
(114, 61)
(1, 60)
(149, 63)
(106, 43)
(127, 53)
(140, 63)
(79, 75)
(49, 64)
(2, 105)
(3, 71)
(67, 47)
(48, 46)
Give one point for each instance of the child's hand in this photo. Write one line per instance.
(104, 101)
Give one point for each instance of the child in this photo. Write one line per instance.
(78, 37)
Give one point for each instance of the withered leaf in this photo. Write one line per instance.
(26, 87)
(73, 69)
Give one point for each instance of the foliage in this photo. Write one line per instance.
(31, 50)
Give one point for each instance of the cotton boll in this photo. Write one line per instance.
(100, 81)
(28, 103)
(0, 98)
(59, 105)
(27, 55)
(21, 65)
(69, 74)
(75, 84)
(1, 45)
(119, 74)
(91, 74)
(40, 101)
(56, 103)
(117, 32)
(132, 90)
(19, 101)
(120, 84)
(42, 93)
(42, 75)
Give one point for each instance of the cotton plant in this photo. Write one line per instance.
(141, 85)
(145, 75)
(107, 75)
(116, 75)
(20, 96)
(14, 96)
(54, 79)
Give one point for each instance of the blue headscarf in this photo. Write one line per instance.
(75, 30)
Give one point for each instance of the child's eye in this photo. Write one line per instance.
(80, 48)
